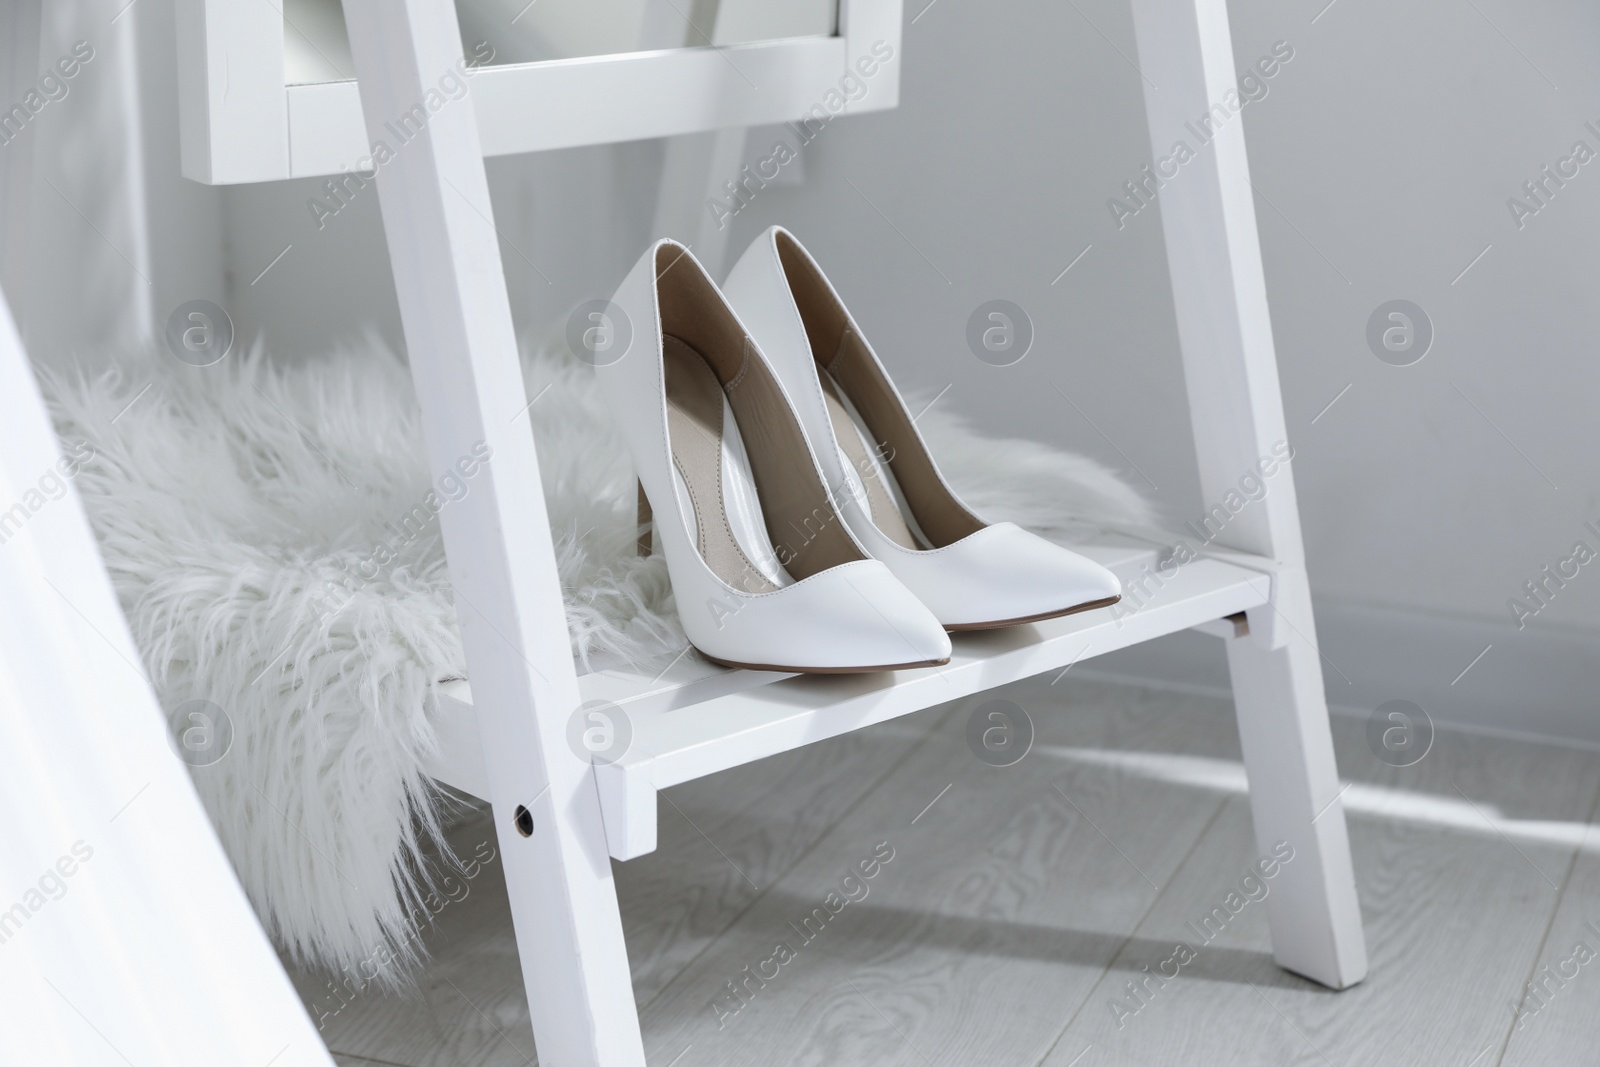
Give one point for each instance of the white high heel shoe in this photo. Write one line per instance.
(973, 575)
(764, 574)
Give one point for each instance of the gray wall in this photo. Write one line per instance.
(1383, 154)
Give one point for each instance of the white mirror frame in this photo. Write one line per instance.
(240, 122)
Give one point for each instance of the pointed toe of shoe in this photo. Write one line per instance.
(1073, 578)
(852, 618)
(1004, 575)
(888, 625)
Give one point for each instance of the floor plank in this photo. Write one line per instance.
(1454, 907)
(1020, 902)
(1554, 1021)
(1004, 901)
(720, 838)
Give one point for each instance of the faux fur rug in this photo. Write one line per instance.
(259, 522)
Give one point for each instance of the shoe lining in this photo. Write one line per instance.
(701, 436)
(840, 351)
(794, 504)
(865, 470)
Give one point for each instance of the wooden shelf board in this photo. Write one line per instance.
(694, 718)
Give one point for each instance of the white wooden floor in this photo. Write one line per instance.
(1020, 902)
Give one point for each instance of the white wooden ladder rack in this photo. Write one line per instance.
(506, 738)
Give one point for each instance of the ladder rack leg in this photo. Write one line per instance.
(418, 104)
(1207, 211)
(1294, 789)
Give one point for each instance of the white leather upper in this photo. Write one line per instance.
(854, 615)
(1000, 573)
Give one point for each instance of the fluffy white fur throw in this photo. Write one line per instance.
(259, 523)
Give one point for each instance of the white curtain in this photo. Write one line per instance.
(124, 936)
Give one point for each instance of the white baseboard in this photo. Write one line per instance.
(1542, 682)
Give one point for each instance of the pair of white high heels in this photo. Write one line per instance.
(804, 523)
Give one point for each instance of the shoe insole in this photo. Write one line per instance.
(868, 473)
(715, 486)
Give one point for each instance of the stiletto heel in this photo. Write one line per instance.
(764, 574)
(646, 531)
(972, 574)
